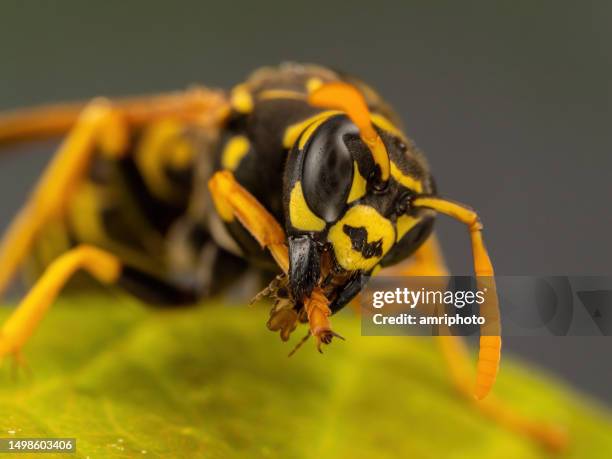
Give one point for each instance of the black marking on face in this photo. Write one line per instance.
(359, 241)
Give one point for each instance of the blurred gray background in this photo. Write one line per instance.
(511, 101)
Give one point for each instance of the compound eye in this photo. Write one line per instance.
(327, 172)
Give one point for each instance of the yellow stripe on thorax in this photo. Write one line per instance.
(271, 94)
(241, 99)
(313, 84)
(235, 149)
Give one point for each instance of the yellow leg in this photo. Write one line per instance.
(100, 128)
(198, 105)
(429, 261)
(21, 324)
(233, 201)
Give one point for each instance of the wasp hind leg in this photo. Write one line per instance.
(428, 261)
(100, 129)
(105, 267)
(232, 201)
(18, 328)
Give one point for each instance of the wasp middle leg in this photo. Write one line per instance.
(104, 266)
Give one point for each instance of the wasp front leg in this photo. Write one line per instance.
(233, 201)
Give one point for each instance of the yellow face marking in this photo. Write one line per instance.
(271, 94)
(358, 187)
(292, 133)
(378, 228)
(385, 124)
(313, 84)
(300, 215)
(404, 224)
(235, 149)
(405, 180)
(241, 99)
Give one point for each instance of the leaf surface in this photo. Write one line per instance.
(127, 381)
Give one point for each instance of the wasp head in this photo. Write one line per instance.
(348, 205)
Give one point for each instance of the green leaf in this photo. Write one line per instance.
(212, 382)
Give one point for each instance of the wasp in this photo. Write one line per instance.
(300, 174)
